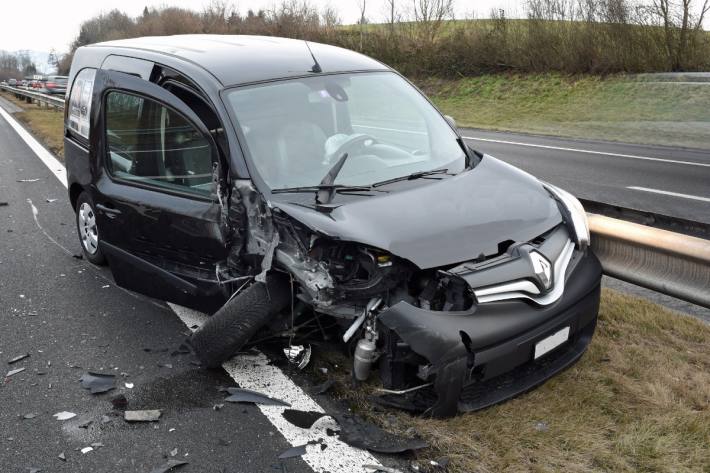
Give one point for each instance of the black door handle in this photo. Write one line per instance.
(108, 210)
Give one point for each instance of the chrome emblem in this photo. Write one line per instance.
(542, 269)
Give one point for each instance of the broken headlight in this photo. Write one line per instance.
(359, 272)
(576, 214)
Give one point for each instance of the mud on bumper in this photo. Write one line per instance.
(486, 355)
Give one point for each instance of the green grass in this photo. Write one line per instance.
(46, 124)
(615, 108)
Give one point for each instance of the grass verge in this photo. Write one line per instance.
(638, 400)
(46, 124)
(613, 108)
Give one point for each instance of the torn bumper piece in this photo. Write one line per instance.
(485, 355)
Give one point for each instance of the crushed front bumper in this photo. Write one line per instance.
(485, 355)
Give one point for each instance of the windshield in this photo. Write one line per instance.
(297, 130)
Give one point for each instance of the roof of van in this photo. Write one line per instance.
(238, 59)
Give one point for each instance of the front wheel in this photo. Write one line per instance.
(88, 230)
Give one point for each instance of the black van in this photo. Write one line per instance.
(294, 189)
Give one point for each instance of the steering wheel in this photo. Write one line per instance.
(352, 142)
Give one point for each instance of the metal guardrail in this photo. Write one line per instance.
(671, 263)
(38, 97)
(666, 254)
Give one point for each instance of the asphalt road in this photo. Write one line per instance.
(71, 318)
(664, 180)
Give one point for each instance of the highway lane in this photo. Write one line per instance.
(670, 181)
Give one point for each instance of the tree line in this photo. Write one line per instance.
(422, 38)
(16, 65)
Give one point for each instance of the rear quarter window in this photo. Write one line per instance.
(80, 103)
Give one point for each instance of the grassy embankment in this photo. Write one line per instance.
(45, 124)
(614, 108)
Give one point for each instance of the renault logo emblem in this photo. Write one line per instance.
(542, 269)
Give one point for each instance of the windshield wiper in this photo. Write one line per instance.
(326, 192)
(337, 188)
(327, 189)
(412, 176)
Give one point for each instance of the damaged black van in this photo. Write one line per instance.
(291, 188)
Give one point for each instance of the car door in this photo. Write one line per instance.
(155, 191)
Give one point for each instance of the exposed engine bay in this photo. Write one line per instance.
(380, 305)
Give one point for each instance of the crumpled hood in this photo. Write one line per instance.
(445, 221)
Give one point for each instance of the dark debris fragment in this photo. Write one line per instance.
(85, 424)
(246, 395)
(167, 466)
(119, 402)
(324, 387)
(97, 383)
(181, 350)
(359, 433)
(293, 452)
(302, 419)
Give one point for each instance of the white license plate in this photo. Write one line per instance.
(551, 342)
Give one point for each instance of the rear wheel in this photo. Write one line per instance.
(88, 230)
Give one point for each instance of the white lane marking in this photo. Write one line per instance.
(47, 158)
(587, 151)
(673, 194)
(253, 371)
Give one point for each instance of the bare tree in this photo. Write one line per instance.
(430, 14)
(361, 4)
(392, 14)
(682, 22)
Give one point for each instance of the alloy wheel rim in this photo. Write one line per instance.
(88, 232)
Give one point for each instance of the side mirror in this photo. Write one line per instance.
(451, 121)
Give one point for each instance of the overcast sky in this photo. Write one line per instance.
(43, 24)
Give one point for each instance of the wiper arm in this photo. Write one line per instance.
(412, 176)
(326, 192)
(338, 188)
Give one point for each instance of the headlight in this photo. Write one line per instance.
(576, 212)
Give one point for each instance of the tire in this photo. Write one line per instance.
(237, 321)
(88, 231)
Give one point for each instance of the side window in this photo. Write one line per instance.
(80, 102)
(152, 144)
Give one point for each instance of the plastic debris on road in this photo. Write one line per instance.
(142, 416)
(18, 358)
(167, 466)
(14, 372)
(358, 433)
(248, 396)
(293, 452)
(97, 383)
(302, 419)
(64, 415)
